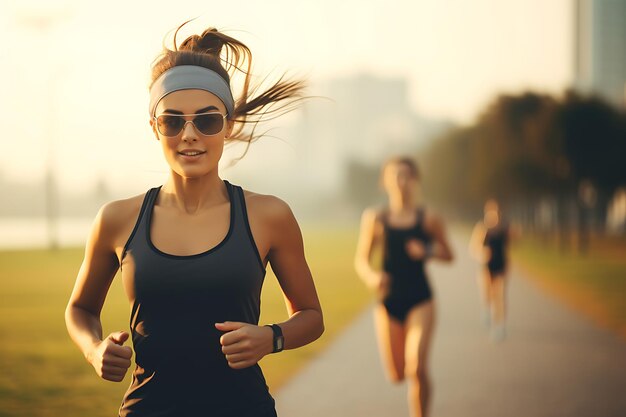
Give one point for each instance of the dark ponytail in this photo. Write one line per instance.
(227, 56)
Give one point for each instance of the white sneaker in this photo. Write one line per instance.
(485, 318)
(498, 333)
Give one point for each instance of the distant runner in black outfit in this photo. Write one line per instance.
(409, 236)
(408, 286)
(489, 245)
(193, 253)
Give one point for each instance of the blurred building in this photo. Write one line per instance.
(600, 48)
(363, 119)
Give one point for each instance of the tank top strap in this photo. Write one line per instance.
(383, 216)
(419, 216)
(151, 197)
(420, 224)
(242, 223)
(235, 201)
(140, 225)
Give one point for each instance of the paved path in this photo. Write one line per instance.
(553, 363)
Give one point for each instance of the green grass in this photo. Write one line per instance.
(593, 283)
(42, 373)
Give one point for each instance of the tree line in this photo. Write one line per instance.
(529, 147)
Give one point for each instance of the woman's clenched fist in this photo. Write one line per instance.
(110, 358)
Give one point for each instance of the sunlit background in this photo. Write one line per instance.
(522, 100)
(76, 74)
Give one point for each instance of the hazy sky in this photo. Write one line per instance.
(91, 67)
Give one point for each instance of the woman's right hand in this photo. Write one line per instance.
(110, 358)
(380, 283)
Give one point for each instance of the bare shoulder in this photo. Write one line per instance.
(116, 219)
(372, 222)
(372, 215)
(432, 219)
(267, 207)
(433, 222)
(272, 223)
(118, 211)
(479, 227)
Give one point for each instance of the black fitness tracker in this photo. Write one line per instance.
(279, 340)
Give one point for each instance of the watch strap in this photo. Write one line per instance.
(278, 334)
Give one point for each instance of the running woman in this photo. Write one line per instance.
(193, 252)
(409, 236)
(488, 245)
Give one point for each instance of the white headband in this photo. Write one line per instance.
(188, 77)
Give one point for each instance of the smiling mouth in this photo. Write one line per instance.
(191, 153)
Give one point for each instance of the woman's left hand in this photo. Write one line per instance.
(415, 249)
(245, 344)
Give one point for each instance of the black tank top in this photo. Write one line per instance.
(407, 275)
(496, 239)
(180, 368)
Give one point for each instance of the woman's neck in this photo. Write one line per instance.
(402, 202)
(191, 195)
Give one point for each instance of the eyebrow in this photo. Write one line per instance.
(203, 110)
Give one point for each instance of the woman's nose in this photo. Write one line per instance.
(189, 132)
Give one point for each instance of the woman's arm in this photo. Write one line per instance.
(82, 316)
(288, 262)
(245, 344)
(369, 237)
(441, 248)
(514, 232)
(476, 243)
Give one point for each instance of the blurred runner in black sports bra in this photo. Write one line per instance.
(489, 244)
(409, 236)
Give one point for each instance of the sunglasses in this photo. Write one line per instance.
(207, 124)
